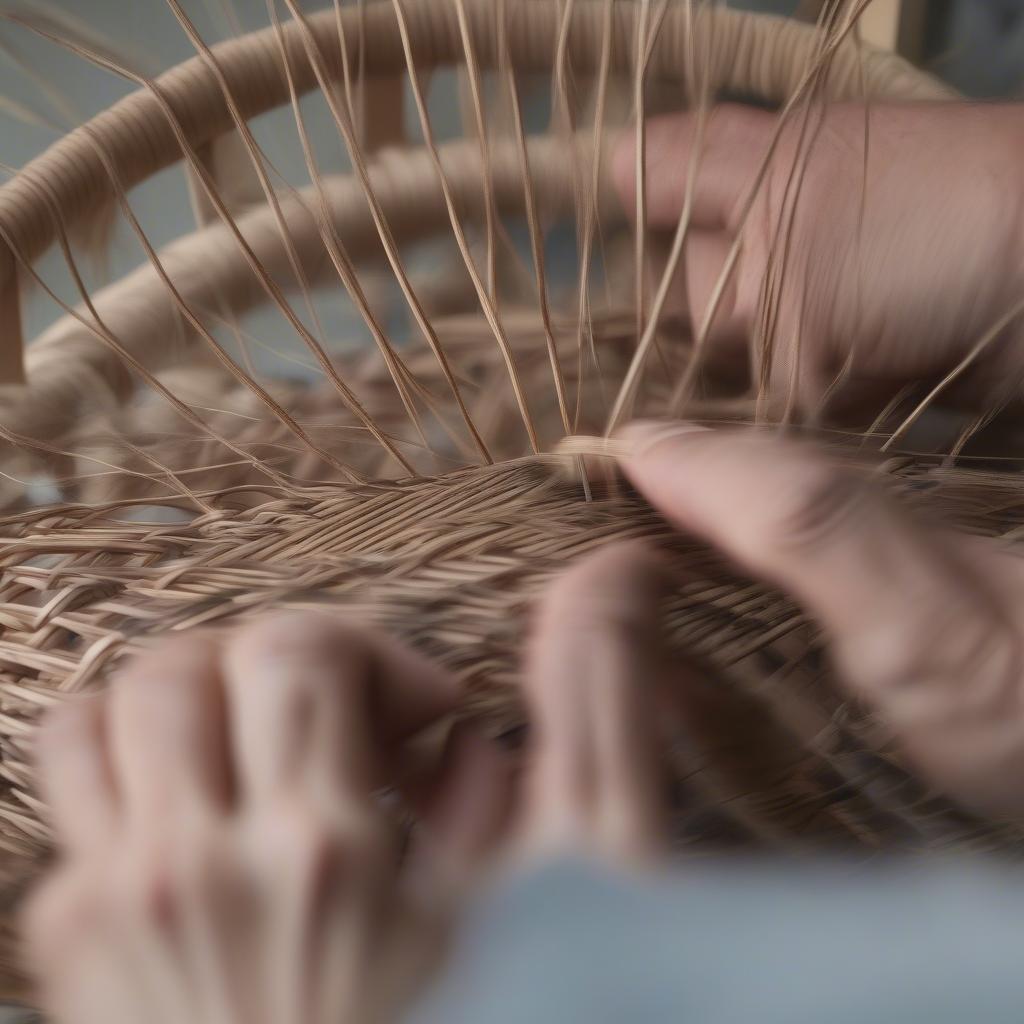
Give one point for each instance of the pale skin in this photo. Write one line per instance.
(224, 854)
(225, 857)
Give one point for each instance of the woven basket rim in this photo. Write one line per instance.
(749, 54)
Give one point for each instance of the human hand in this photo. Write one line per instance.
(906, 246)
(926, 626)
(225, 856)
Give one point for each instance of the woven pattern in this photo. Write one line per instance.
(452, 566)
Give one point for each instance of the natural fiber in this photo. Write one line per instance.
(417, 484)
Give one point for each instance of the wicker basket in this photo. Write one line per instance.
(413, 483)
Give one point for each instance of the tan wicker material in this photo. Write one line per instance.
(420, 485)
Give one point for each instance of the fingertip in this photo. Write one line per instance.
(612, 582)
(192, 656)
(467, 807)
(653, 447)
(605, 563)
(721, 485)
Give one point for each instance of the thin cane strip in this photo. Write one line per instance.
(257, 268)
(489, 311)
(807, 80)
(385, 234)
(257, 159)
(97, 329)
(532, 220)
(490, 210)
(343, 266)
(647, 337)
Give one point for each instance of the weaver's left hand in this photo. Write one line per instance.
(226, 856)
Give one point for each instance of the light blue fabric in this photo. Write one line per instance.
(903, 944)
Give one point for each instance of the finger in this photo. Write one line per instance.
(312, 697)
(695, 279)
(886, 585)
(596, 772)
(464, 809)
(711, 311)
(167, 730)
(735, 142)
(75, 774)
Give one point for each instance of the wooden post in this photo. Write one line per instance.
(880, 24)
(897, 25)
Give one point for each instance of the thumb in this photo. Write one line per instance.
(923, 621)
(878, 579)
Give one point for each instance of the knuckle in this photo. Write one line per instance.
(971, 645)
(184, 656)
(150, 892)
(328, 846)
(737, 122)
(299, 636)
(941, 640)
(820, 503)
(159, 879)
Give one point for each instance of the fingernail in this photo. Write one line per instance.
(644, 435)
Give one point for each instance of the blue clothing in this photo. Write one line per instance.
(908, 943)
